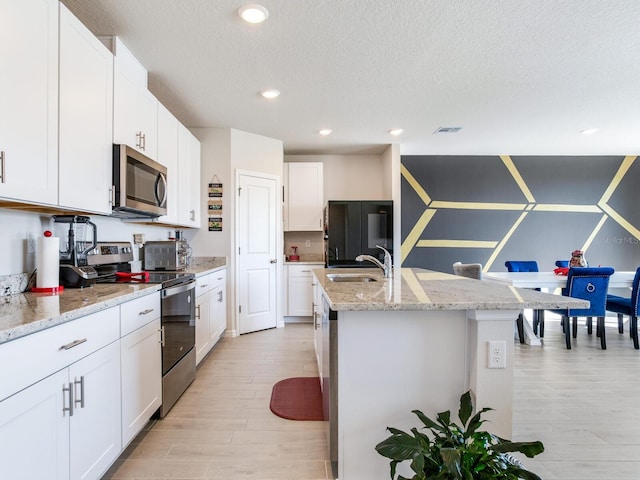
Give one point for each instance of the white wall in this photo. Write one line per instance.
(224, 152)
(350, 177)
(18, 225)
(215, 154)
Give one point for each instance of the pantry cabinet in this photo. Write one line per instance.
(135, 109)
(303, 196)
(86, 118)
(60, 403)
(29, 100)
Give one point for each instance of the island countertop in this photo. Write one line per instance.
(419, 289)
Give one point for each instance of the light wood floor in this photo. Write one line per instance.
(582, 404)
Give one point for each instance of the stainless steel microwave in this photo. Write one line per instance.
(139, 184)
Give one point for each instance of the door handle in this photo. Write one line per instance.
(273, 260)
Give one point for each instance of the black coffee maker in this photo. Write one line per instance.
(75, 272)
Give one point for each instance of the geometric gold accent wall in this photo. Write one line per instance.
(490, 209)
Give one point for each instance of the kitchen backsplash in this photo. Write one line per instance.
(21, 225)
(310, 245)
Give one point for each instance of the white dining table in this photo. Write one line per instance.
(549, 281)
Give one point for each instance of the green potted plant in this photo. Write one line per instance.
(457, 452)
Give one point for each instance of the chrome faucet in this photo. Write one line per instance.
(386, 267)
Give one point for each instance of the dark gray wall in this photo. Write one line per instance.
(561, 184)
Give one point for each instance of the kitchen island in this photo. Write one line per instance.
(418, 340)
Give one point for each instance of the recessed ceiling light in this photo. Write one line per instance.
(325, 131)
(270, 93)
(396, 131)
(253, 13)
(588, 131)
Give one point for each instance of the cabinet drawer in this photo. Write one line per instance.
(31, 358)
(139, 312)
(218, 279)
(203, 284)
(301, 270)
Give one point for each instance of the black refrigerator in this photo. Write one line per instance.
(354, 227)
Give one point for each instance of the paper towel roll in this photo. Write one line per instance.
(48, 262)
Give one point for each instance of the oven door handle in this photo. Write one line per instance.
(171, 291)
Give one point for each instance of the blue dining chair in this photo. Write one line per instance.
(562, 263)
(628, 306)
(587, 283)
(538, 315)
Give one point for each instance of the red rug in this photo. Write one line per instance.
(298, 398)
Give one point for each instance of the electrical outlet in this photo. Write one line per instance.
(307, 243)
(497, 354)
(32, 244)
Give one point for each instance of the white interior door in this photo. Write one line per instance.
(257, 259)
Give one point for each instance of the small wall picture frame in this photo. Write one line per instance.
(215, 190)
(215, 224)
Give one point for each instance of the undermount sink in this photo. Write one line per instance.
(351, 277)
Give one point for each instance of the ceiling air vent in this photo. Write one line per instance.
(447, 130)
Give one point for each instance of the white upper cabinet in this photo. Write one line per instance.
(86, 118)
(303, 197)
(168, 156)
(29, 100)
(135, 109)
(188, 178)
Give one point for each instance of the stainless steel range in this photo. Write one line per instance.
(112, 262)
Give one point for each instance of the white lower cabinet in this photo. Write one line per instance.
(211, 311)
(77, 393)
(203, 303)
(95, 438)
(62, 427)
(218, 307)
(33, 426)
(141, 378)
(299, 290)
(317, 325)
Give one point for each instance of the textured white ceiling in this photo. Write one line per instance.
(520, 77)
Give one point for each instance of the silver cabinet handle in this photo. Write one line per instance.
(70, 345)
(3, 177)
(273, 260)
(139, 140)
(204, 286)
(220, 297)
(81, 383)
(198, 312)
(67, 388)
(143, 138)
(192, 215)
(145, 312)
(162, 336)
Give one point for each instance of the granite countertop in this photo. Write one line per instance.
(418, 289)
(25, 313)
(204, 265)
